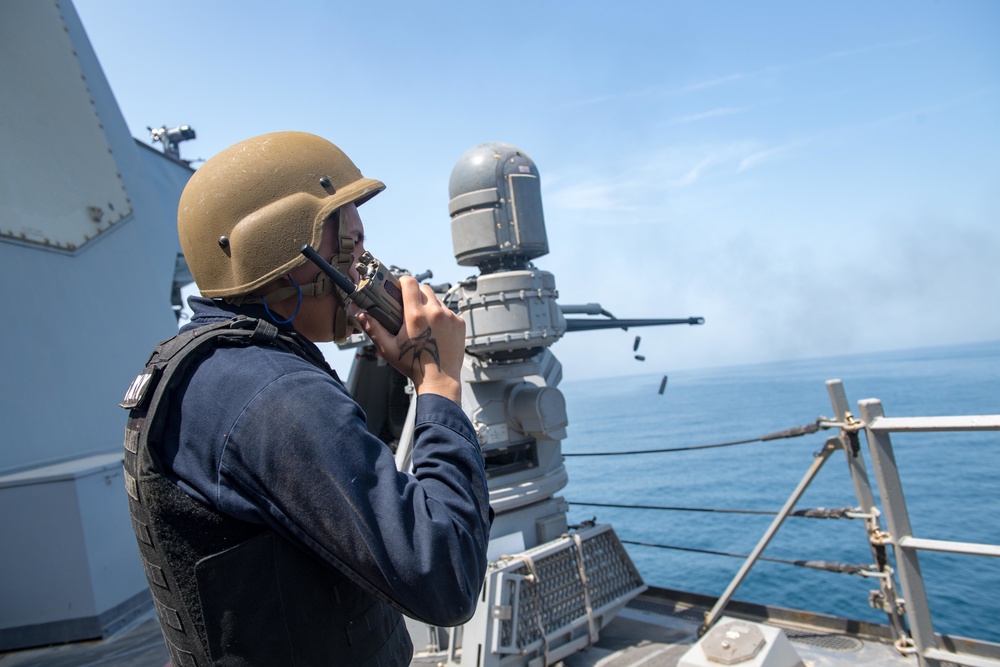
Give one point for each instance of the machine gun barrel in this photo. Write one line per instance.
(591, 325)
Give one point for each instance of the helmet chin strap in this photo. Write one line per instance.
(341, 260)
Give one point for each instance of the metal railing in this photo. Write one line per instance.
(906, 546)
(912, 605)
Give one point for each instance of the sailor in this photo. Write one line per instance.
(274, 528)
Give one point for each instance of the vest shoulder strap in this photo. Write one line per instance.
(174, 355)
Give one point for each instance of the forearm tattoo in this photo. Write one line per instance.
(418, 346)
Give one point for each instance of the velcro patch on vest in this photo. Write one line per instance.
(180, 657)
(154, 574)
(132, 435)
(168, 615)
(141, 530)
(137, 391)
(131, 486)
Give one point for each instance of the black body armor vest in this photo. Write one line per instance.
(229, 592)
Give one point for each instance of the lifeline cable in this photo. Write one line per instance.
(827, 566)
(677, 509)
(793, 432)
(815, 513)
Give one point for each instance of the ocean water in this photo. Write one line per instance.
(951, 481)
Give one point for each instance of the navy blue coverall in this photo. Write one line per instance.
(267, 437)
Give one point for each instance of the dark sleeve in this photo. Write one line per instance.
(300, 454)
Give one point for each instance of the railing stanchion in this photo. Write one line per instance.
(849, 441)
(789, 505)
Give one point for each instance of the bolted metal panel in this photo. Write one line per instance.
(511, 310)
(63, 203)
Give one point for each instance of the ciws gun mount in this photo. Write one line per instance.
(549, 589)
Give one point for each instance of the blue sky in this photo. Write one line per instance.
(813, 178)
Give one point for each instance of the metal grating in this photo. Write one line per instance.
(822, 640)
(557, 598)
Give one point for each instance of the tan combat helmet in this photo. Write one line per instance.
(246, 213)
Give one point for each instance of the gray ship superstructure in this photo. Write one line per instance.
(88, 255)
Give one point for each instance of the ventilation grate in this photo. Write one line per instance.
(557, 599)
(821, 640)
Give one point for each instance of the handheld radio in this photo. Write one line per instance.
(378, 292)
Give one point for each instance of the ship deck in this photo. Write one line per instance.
(659, 627)
(654, 630)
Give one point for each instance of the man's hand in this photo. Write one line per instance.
(429, 347)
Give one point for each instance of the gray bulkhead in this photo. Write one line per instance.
(88, 247)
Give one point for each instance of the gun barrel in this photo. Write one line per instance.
(591, 325)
